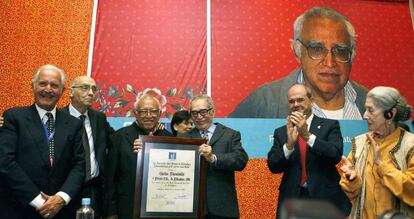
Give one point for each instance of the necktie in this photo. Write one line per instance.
(85, 142)
(204, 135)
(50, 124)
(302, 146)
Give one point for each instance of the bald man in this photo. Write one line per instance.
(95, 139)
(122, 160)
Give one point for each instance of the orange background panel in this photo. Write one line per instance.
(37, 32)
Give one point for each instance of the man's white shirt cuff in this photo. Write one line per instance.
(287, 152)
(65, 197)
(37, 202)
(311, 140)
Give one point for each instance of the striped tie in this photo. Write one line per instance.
(50, 124)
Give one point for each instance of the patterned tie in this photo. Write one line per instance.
(204, 135)
(50, 124)
(302, 146)
(85, 141)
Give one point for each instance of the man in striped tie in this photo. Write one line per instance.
(42, 163)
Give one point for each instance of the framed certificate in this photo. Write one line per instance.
(170, 178)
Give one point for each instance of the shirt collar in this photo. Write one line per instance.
(43, 112)
(210, 129)
(309, 120)
(74, 112)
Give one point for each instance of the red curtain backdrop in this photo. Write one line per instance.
(143, 45)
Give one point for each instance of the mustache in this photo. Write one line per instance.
(49, 95)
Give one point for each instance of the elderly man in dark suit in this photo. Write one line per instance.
(306, 151)
(42, 163)
(225, 154)
(95, 138)
(122, 158)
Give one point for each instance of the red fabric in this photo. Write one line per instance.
(302, 146)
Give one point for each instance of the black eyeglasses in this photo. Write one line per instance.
(151, 112)
(317, 51)
(202, 112)
(86, 88)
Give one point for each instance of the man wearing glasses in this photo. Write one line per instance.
(225, 154)
(306, 151)
(95, 139)
(122, 158)
(324, 45)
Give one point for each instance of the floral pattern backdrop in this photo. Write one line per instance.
(119, 101)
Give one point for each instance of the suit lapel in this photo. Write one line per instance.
(35, 127)
(93, 120)
(60, 136)
(316, 125)
(218, 132)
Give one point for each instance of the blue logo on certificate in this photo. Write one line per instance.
(172, 155)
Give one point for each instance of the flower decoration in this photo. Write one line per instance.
(155, 93)
(123, 99)
(113, 91)
(188, 93)
(104, 106)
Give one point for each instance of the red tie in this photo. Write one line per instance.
(302, 146)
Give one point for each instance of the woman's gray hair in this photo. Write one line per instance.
(387, 98)
(322, 12)
(210, 103)
(49, 67)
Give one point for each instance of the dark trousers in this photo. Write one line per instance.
(304, 193)
(93, 189)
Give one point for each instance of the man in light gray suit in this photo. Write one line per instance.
(324, 45)
(225, 154)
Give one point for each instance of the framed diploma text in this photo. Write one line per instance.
(170, 178)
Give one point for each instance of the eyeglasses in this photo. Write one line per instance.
(202, 112)
(151, 112)
(86, 88)
(297, 100)
(317, 51)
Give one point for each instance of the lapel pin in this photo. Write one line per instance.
(319, 126)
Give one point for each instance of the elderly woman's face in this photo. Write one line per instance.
(374, 116)
(184, 126)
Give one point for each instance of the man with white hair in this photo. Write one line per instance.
(122, 159)
(42, 163)
(324, 44)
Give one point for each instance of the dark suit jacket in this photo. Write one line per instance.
(101, 131)
(270, 100)
(221, 196)
(323, 177)
(24, 161)
(121, 171)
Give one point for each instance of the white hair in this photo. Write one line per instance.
(49, 67)
(387, 98)
(322, 12)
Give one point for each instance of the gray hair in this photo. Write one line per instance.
(322, 12)
(146, 96)
(205, 97)
(387, 98)
(49, 67)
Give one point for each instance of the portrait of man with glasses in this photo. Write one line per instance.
(324, 44)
